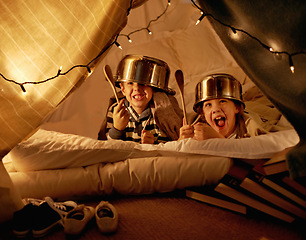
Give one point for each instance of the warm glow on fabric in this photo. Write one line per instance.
(38, 37)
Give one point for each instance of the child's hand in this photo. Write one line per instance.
(120, 116)
(186, 131)
(203, 131)
(147, 137)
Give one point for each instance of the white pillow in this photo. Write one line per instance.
(258, 147)
(54, 150)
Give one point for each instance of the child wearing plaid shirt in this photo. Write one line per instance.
(140, 128)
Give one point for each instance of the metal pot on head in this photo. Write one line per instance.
(217, 86)
(144, 70)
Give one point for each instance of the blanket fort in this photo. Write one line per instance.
(46, 52)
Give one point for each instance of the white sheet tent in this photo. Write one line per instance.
(43, 39)
(175, 38)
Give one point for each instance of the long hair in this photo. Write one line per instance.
(240, 123)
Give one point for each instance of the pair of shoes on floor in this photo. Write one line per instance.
(105, 213)
(39, 217)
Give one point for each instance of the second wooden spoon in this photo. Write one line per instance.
(179, 77)
(109, 77)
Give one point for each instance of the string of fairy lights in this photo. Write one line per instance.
(236, 30)
(147, 28)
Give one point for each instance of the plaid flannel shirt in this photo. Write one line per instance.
(136, 124)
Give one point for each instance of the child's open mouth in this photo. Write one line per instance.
(138, 97)
(220, 121)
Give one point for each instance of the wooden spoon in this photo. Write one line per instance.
(196, 120)
(109, 77)
(179, 77)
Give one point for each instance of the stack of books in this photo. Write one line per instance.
(257, 185)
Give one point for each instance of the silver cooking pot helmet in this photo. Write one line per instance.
(144, 70)
(217, 86)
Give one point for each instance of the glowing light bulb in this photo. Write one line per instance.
(201, 18)
(291, 64)
(23, 88)
(150, 33)
(118, 45)
(88, 69)
(59, 70)
(234, 34)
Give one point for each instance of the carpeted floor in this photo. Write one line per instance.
(173, 216)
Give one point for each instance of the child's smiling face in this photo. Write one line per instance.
(220, 114)
(138, 95)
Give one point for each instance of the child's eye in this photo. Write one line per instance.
(207, 104)
(223, 101)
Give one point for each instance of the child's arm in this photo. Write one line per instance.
(116, 117)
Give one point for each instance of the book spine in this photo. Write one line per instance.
(217, 202)
(231, 181)
(274, 169)
(284, 192)
(299, 188)
(262, 192)
(252, 202)
(276, 186)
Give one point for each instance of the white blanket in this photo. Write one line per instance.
(66, 165)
